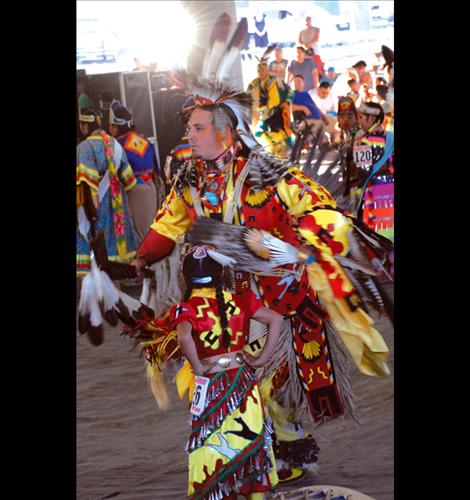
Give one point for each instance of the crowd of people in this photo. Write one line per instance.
(248, 393)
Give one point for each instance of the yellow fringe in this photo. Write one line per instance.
(185, 381)
(157, 384)
(365, 344)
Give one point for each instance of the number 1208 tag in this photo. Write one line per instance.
(199, 398)
(362, 155)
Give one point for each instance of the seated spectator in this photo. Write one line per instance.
(330, 76)
(324, 99)
(278, 67)
(354, 92)
(365, 77)
(327, 104)
(302, 103)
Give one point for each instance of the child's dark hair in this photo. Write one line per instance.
(206, 272)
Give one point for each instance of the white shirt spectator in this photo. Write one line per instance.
(327, 104)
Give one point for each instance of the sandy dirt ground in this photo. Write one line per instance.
(128, 449)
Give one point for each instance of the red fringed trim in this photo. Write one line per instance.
(228, 391)
(248, 473)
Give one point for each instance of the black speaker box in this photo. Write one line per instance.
(170, 128)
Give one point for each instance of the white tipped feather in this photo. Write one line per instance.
(85, 295)
(227, 63)
(225, 260)
(214, 58)
(145, 295)
(280, 252)
(131, 303)
(89, 303)
(95, 272)
(96, 318)
(110, 291)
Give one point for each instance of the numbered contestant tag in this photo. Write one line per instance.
(199, 398)
(362, 155)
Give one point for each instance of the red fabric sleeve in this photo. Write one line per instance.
(154, 247)
(182, 312)
(251, 303)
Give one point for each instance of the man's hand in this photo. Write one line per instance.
(254, 362)
(140, 263)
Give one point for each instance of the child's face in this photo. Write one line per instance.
(354, 87)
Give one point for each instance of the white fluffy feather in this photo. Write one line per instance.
(95, 272)
(145, 295)
(110, 291)
(225, 260)
(131, 303)
(280, 252)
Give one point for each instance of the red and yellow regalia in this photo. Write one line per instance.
(299, 211)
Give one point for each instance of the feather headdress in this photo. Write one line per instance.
(265, 57)
(210, 90)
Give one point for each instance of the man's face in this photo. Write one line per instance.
(206, 143)
(308, 22)
(354, 87)
(298, 84)
(263, 72)
(365, 121)
(278, 55)
(323, 92)
(83, 128)
(346, 120)
(113, 130)
(300, 55)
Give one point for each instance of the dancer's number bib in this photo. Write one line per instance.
(362, 155)
(199, 398)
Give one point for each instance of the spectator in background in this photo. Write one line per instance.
(326, 103)
(302, 102)
(143, 199)
(104, 177)
(330, 76)
(307, 68)
(310, 36)
(278, 67)
(258, 90)
(354, 89)
(380, 81)
(365, 77)
(324, 99)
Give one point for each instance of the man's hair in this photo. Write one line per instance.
(222, 117)
(308, 17)
(382, 91)
(92, 125)
(353, 80)
(301, 48)
(299, 76)
(324, 85)
(360, 64)
(123, 113)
